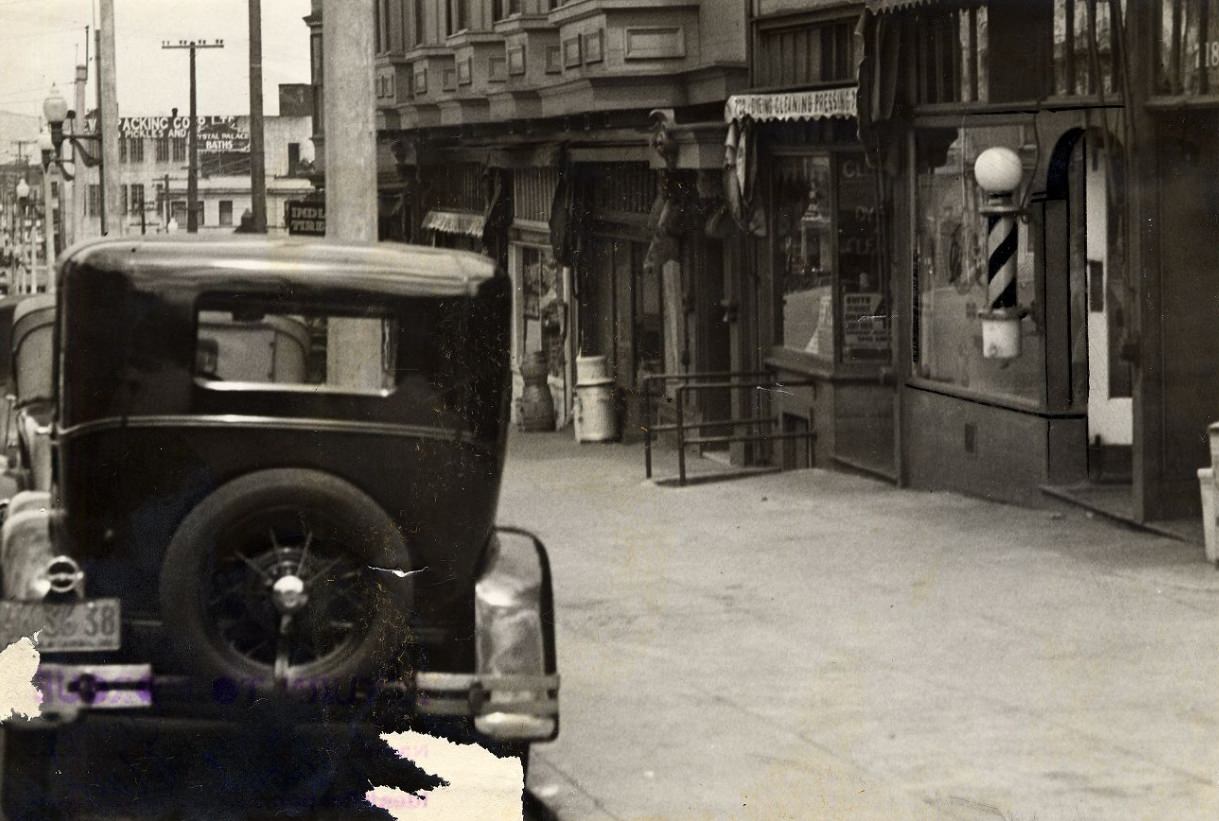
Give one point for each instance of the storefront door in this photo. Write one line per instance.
(1097, 261)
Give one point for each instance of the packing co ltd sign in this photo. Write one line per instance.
(217, 134)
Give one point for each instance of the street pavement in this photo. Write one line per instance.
(818, 645)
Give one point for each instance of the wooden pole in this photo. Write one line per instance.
(108, 121)
(76, 219)
(350, 138)
(258, 175)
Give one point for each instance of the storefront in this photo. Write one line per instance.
(542, 307)
(456, 202)
(1107, 402)
(620, 304)
(820, 300)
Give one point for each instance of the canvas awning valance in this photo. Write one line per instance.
(822, 104)
(455, 222)
(882, 6)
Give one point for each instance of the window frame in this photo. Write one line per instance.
(307, 310)
(836, 362)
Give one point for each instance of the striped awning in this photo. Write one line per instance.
(455, 222)
(823, 104)
(882, 6)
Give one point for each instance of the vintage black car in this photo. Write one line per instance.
(275, 474)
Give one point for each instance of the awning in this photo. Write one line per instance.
(882, 6)
(824, 104)
(454, 222)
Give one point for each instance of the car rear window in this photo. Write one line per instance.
(253, 346)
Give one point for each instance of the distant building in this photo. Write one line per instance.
(154, 157)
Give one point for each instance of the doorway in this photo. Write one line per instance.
(1100, 288)
(621, 309)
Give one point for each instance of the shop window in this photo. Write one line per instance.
(826, 247)
(805, 247)
(1188, 47)
(1048, 48)
(179, 149)
(949, 286)
(1087, 47)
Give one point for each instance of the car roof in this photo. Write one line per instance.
(385, 267)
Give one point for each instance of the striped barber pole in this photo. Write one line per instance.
(1001, 265)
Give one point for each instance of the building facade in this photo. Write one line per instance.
(810, 298)
(788, 186)
(153, 169)
(1111, 110)
(579, 143)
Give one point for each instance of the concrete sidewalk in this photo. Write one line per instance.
(818, 645)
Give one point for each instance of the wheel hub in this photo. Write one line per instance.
(289, 594)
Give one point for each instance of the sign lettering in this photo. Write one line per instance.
(306, 219)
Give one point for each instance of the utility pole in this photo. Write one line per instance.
(108, 121)
(79, 185)
(48, 230)
(192, 176)
(258, 172)
(21, 144)
(349, 125)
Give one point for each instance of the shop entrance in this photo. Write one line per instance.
(1099, 287)
(621, 315)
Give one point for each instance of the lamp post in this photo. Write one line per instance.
(23, 200)
(55, 110)
(998, 171)
(47, 147)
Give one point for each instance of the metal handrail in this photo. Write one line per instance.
(719, 381)
(645, 390)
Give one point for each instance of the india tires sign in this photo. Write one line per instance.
(306, 219)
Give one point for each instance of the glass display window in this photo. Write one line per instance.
(833, 298)
(951, 270)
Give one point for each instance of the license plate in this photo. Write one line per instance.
(79, 626)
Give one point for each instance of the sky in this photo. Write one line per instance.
(42, 40)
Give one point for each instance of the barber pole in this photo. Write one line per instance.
(998, 172)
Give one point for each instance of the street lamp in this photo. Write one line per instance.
(55, 110)
(23, 199)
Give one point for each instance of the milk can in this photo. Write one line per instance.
(595, 416)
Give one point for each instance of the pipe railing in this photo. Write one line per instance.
(730, 381)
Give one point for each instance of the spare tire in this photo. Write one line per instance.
(286, 576)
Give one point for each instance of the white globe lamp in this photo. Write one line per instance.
(998, 170)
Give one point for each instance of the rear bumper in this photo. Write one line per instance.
(507, 708)
(501, 708)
